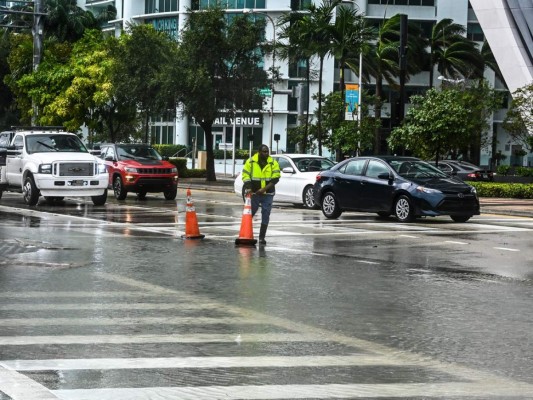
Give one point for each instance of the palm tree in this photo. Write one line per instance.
(321, 18)
(452, 53)
(66, 21)
(296, 45)
(349, 35)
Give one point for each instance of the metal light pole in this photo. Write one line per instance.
(253, 11)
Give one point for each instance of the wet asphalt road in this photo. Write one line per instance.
(110, 303)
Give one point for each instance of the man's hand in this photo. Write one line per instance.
(248, 192)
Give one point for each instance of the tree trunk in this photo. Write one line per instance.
(210, 161)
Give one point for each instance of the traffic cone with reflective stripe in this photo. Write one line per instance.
(246, 235)
(191, 222)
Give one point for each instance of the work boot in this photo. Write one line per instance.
(262, 233)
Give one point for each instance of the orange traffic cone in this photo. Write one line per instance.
(246, 235)
(191, 222)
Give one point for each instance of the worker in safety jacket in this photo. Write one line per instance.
(260, 175)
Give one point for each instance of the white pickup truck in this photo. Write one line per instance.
(52, 163)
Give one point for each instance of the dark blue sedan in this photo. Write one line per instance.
(405, 187)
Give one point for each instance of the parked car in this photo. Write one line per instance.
(404, 186)
(464, 170)
(139, 168)
(298, 176)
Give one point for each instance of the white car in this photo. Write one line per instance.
(298, 175)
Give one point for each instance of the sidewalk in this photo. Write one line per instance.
(489, 205)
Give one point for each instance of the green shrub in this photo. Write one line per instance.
(507, 190)
(240, 154)
(195, 173)
(503, 169)
(524, 171)
(181, 165)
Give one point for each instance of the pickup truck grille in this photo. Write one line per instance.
(74, 169)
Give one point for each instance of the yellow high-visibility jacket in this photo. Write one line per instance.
(256, 178)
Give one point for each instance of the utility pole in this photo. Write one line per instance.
(37, 32)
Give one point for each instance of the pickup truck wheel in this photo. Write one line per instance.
(99, 200)
(30, 191)
(170, 194)
(118, 187)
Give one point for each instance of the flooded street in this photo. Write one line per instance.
(111, 303)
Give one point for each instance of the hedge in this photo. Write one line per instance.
(500, 189)
(184, 172)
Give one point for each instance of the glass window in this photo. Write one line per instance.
(375, 168)
(283, 162)
(354, 167)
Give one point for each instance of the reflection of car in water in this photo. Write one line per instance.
(139, 168)
(404, 186)
(298, 175)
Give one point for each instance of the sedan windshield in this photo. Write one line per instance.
(312, 164)
(416, 169)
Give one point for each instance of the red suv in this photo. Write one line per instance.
(139, 168)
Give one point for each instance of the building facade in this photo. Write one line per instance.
(264, 127)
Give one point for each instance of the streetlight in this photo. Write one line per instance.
(253, 11)
(444, 79)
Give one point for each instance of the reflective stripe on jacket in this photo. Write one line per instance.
(256, 178)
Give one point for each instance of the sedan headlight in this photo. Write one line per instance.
(424, 189)
(45, 168)
(130, 169)
(473, 190)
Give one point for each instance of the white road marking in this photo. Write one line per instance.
(182, 338)
(410, 236)
(455, 242)
(201, 362)
(506, 249)
(123, 321)
(109, 306)
(485, 390)
(18, 386)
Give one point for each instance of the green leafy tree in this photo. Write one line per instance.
(519, 120)
(348, 136)
(89, 98)
(66, 21)
(217, 67)
(443, 122)
(142, 60)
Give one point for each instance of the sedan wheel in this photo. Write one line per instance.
(403, 209)
(309, 198)
(330, 206)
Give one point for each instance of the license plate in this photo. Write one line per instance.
(76, 183)
(485, 176)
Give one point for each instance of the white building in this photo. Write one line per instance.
(170, 15)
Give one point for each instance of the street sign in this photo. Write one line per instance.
(266, 92)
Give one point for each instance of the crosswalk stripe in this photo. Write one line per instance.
(201, 362)
(109, 306)
(81, 294)
(483, 390)
(124, 339)
(121, 321)
(18, 386)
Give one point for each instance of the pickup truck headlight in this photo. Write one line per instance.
(45, 168)
(102, 169)
(130, 169)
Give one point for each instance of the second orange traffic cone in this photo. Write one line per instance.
(191, 222)
(246, 235)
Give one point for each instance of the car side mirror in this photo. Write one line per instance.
(166, 158)
(109, 158)
(288, 170)
(386, 176)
